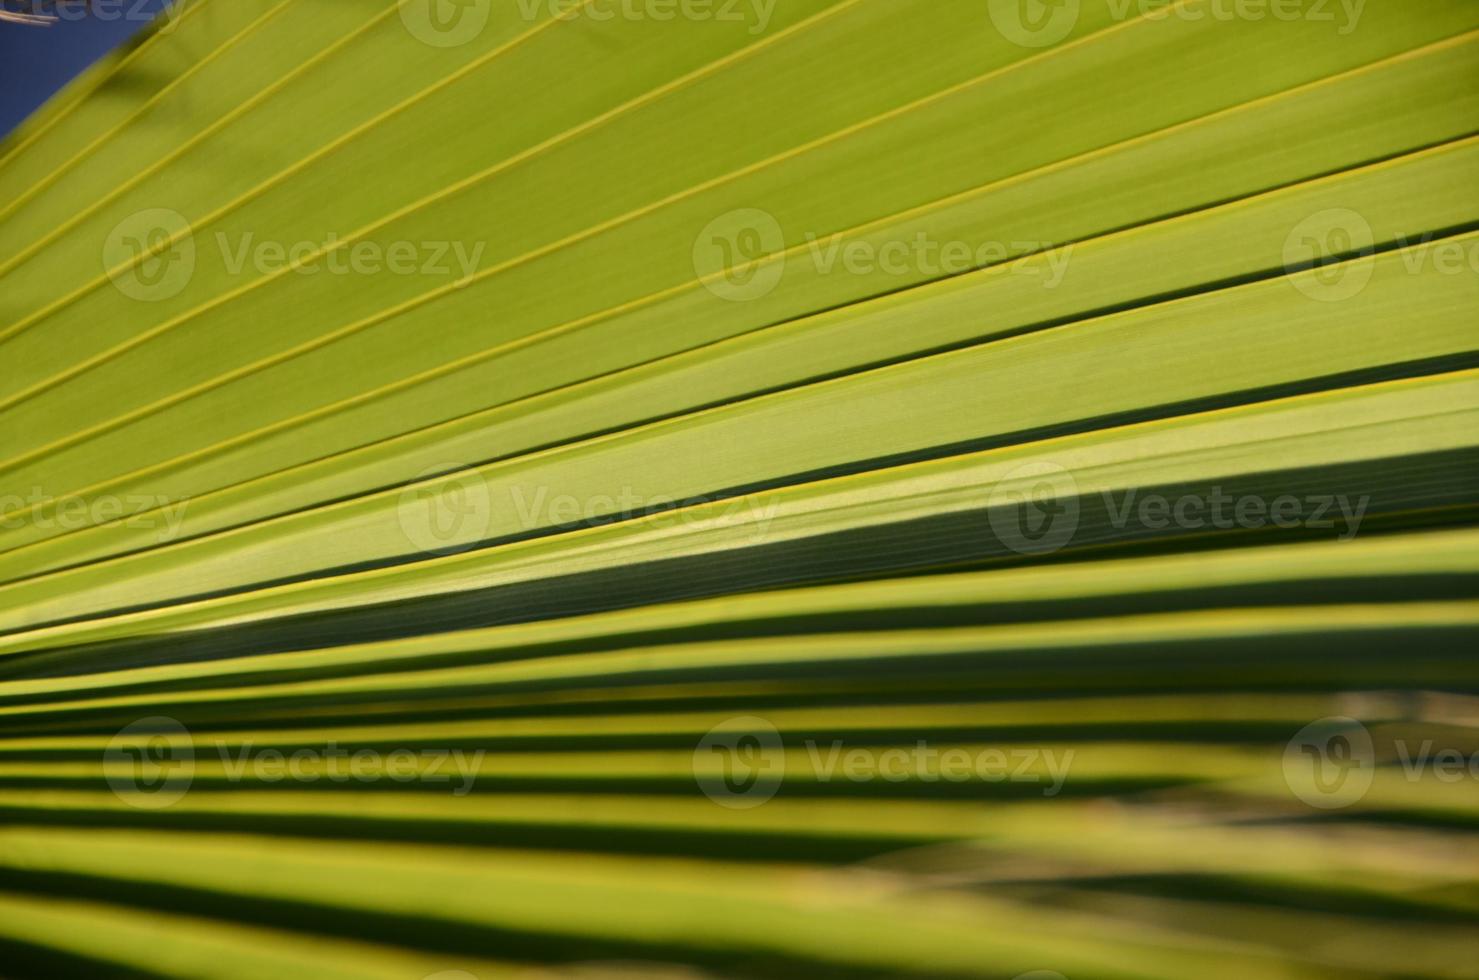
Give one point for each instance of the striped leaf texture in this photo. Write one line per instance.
(693, 489)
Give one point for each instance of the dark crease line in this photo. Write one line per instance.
(1412, 369)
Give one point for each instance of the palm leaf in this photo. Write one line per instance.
(756, 390)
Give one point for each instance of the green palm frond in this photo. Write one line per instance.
(843, 488)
